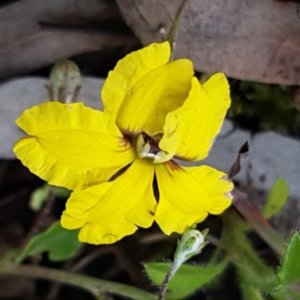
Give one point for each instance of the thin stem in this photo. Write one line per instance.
(93, 285)
(164, 286)
(173, 32)
(190, 244)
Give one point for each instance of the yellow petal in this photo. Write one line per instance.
(154, 96)
(183, 201)
(190, 130)
(71, 145)
(188, 194)
(128, 71)
(106, 233)
(111, 210)
(218, 186)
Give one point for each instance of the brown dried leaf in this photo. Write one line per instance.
(36, 33)
(248, 40)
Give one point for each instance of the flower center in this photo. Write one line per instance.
(148, 147)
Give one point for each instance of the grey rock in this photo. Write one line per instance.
(271, 156)
(226, 147)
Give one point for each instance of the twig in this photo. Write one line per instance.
(93, 285)
(173, 32)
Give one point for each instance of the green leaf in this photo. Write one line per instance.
(38, 197)
(251, 293)
(277, 198)
(61, 192)
(41, 194)
(289, 272)
(60, 243)
(187, 279)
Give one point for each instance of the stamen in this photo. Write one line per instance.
(147, 147)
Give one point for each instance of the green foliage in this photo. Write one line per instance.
(41, 194)
(251, 293)
(38, 197)
(61, 192)
(187, 279)
(60, 244)
(289, 271)
(258, 106)
(276, 199)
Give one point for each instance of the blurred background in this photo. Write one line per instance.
(255, 43)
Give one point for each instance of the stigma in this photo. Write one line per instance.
(147, 147)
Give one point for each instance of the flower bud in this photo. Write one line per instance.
(190, 244)
(65, 81)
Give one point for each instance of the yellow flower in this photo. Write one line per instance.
(120, 162)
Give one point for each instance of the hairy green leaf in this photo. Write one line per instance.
(187, 279)
(289, 271)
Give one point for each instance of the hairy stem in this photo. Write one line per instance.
(164, 286)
